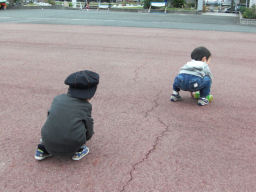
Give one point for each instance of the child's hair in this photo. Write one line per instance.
(200, 52)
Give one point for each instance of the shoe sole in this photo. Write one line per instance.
(39, 158)
(202, 104)
(175, 99)
(42, 158)
(77, 159)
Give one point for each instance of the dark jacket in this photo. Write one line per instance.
(68, 126)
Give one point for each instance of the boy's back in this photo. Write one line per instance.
(195, 76)
(65, 128)
(69, 124)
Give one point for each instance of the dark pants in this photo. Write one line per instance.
(192, 83)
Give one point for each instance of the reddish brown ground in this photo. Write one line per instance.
(142, 142)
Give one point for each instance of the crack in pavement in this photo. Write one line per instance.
(157, 139)
(153, 148)
(153, 106)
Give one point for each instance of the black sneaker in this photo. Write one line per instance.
(175, 98)
(202, 101)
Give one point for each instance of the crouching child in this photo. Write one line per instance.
(69, 124)
(195, 76)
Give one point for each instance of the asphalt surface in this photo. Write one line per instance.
(142, 141)
(127, 19)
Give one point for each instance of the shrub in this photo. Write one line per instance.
(189, 5)
(250, 13)
(242, 9)
(52, 2)
(178, 3)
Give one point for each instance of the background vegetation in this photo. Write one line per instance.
(249, 13)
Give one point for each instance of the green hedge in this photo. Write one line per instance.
(249, 13)
(52, 2)
(178, 3)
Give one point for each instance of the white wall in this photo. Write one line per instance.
(252, 2)
(200, 5)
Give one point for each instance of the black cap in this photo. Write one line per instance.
(82, 84)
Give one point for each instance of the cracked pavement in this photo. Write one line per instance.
(156, 141)
(142, 141)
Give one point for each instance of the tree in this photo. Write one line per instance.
(232, 5)
(178, 3)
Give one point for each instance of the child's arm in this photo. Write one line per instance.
(207, 71)
(89, 128)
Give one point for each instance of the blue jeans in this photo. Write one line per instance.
(192, 83)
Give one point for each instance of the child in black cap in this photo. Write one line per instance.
(69, 123)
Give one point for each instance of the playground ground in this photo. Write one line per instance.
(142, 141)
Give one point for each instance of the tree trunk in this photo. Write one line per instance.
(232, 5)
